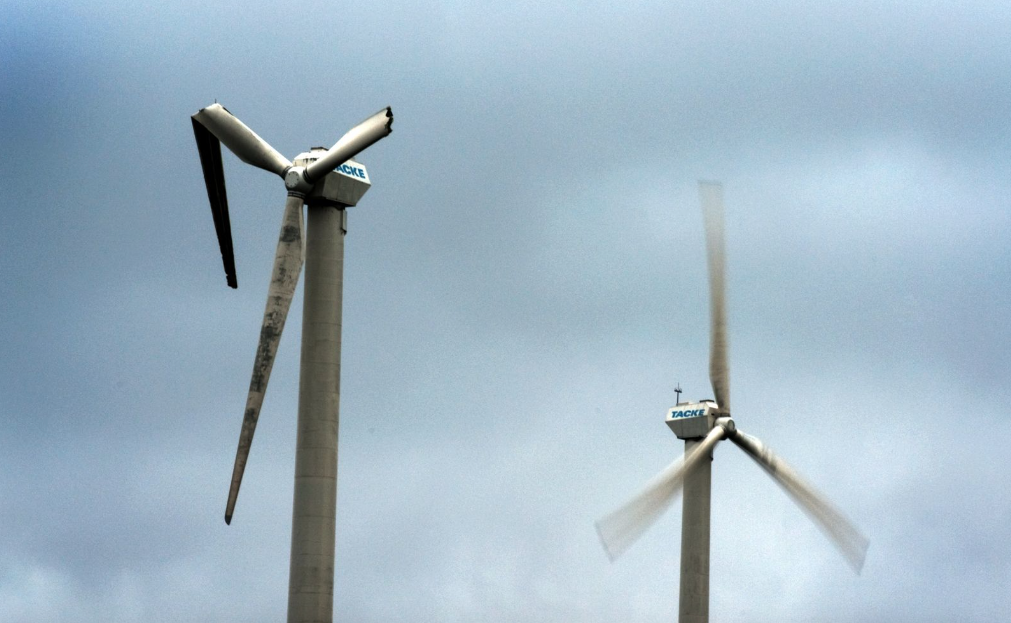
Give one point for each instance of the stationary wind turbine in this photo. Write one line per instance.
(327, 182)
(702, 425)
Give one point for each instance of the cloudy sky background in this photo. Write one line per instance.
(525, 284)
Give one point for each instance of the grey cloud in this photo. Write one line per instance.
(525, 284)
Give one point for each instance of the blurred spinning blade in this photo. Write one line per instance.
(711, 194)
(851, 543)
(623, 527)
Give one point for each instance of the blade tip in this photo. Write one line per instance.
(611, 556)
(861, 557)
(228, 520)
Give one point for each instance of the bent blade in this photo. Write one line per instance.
(623, 527)
(287, 266)
(242, 141)
(840, 530)
(358, 138)
(214, 178)
(711, 194)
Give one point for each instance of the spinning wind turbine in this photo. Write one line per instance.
(702, 425)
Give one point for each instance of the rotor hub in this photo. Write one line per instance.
(727, 424)
(294, 180)
(342, 187)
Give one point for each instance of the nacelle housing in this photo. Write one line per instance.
(691, 420)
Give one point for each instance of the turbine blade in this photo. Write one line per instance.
(287, 266)
(357, 139)
(214, 177)
(711, 194)
(243, 142)
(623, 527)
(840, 530)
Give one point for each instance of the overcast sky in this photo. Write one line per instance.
(524, 286)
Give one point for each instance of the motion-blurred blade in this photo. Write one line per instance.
(243, 142)
(287, 266)
(623, 527)
(358, 138)
(711, 194)
(214, 178)
(832, 522)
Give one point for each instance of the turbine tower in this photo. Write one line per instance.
(327, 182)
(702, 425)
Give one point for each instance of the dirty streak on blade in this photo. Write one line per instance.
(711, 194)
(287, 266)
(214, 178)
(840, 530)
(622, 528)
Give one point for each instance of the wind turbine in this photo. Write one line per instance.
(327, 182)
(702, 425)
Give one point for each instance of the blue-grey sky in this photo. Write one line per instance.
(524, 286)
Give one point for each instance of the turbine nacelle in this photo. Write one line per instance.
(694, 420)
(344, 186)
(690, 420)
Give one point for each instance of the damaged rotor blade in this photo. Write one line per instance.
(833, 523)
(357, 139)
(214, 178)
(711, 194)
(287, 266)
(242, 141)
(623, 527)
